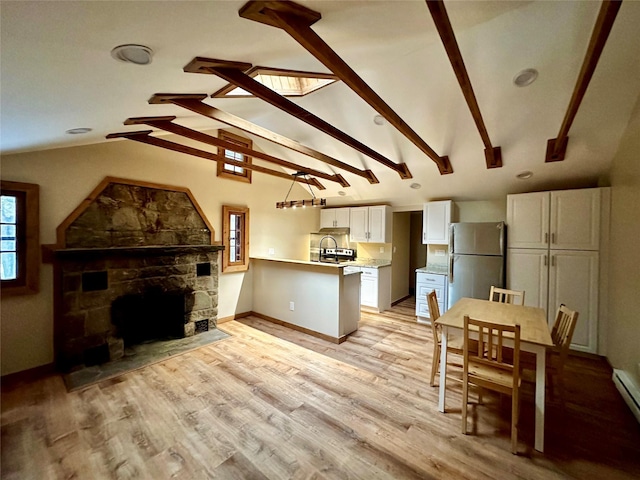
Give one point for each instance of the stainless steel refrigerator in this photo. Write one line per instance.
(476, 259)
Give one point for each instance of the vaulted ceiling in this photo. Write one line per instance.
(57, 74)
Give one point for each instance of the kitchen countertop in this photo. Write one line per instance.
(369, 262)
(434, 269)
(365, 262)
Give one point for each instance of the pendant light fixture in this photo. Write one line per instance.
(314, 202)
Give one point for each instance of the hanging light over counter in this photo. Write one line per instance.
(313, 202)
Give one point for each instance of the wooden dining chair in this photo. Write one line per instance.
(486, 367)
(503, 295)
(454, 343)
(561, 335)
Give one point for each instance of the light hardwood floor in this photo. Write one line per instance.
(270, 402)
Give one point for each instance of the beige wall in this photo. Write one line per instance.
(624, 272)
(401, 253)
(67, 176)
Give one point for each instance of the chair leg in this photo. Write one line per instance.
(515, 412)
(435, 363)
(465, 401)
(550, 385)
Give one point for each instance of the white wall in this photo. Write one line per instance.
(67, 176)
(624, 272)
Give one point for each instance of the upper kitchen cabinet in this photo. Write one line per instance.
(370, 224)
(436, 218)
(334, 218)
(562, 220)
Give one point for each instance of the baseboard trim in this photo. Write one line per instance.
(292, 326)
(232, 317)
(629, 391)
(27, 375)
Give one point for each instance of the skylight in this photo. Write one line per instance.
(288, 83)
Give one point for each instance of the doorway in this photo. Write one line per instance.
(408, 253)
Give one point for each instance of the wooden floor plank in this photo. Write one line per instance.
(270, 403)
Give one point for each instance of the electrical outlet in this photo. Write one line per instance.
(272, 251)
(381, 249)
(291, 306)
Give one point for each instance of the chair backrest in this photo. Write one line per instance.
(490, 342)
(502, 295)
(434, 314)
(562, 331)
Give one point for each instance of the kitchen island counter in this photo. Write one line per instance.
(314, 297)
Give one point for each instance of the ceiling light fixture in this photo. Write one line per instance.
(415, 186)
(378, 120)
(131, 53)
(524, 175)
(78, 131)
(525, 77)
(314, 202)
(342, 193)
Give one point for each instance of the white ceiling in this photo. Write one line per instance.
(57, 74)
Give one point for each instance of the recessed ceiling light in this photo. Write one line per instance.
(130, 53)
(524, 175)
(78, 131)
(378, 120)
(525, 77)
(415, 186)
(341, 193)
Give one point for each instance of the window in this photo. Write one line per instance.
(288, 83)
(228, 170)
(19, 243)
(235, 232)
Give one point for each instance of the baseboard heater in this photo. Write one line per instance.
(628, 390)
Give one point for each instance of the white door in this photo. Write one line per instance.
(528, 270)
(528, 220)
(359, 223)
(573, 281)
(327, 218)
(341, 217)
(575, 219)
(377, 224)
(436, 220)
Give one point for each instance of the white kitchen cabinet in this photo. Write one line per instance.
(573, 280)
(334, 218)
(425, 283)
(557, 260)
(370, 224)
(375, 288)
(563, 220)
(436, 217)
(575, 219)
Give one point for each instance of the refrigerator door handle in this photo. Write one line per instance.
(452, 231)
(450, 268)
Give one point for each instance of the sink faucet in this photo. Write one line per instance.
(335, 243)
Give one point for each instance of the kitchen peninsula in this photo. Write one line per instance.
(319, 298)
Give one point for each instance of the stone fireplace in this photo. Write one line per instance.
(134, 263)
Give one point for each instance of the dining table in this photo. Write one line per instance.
(535, 337)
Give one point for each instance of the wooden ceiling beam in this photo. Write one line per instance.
(143, 136)
(557, 147)
(234, 72)
(296, 20)
(493, 155)
(166, 124)
(193, 102)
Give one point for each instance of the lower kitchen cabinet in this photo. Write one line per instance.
(425, 283)
(375, 288)
(552, 277)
